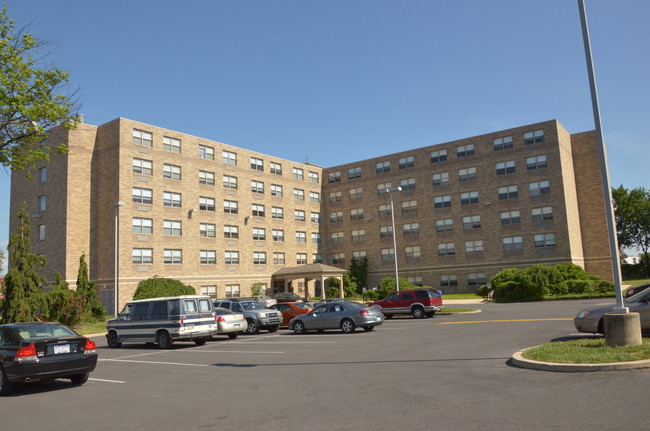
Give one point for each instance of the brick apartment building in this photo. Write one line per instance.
(222, 218)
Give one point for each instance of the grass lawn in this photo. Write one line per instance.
(91, 328)
(635, 283)
(587, 351)
(456, 310)
(460, 296)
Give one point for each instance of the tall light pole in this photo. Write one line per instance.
(116, 258)
(392, 218)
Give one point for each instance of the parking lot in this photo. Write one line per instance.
(449, 372)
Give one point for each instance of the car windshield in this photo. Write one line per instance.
(251, 305)
(35, 331)
(638, 297)
(302, 305)
(221, 311)
(355, 305)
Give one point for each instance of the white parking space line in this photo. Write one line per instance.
(292, 342)
(107, 381)
(156, 362)
(234, 351)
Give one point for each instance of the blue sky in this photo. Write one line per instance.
(343, 80)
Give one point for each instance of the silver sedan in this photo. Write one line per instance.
(230, 323)
(346, 316)
(591, 318)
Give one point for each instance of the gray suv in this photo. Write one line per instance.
(256, 315)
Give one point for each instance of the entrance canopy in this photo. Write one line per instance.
(313, 271)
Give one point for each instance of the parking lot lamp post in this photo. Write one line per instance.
(392, 218)
(116, 258)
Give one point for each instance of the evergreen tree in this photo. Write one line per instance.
(24, 300)
(92, 309)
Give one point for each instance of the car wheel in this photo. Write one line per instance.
(200, 341)
(5, 385)
(418, 312)
(348, 326)
(113, 340)
(233, 335)
(431, 314)
(274, 328)
(79, 379)
(253, 327)
(164, 340)
(368, 328)
(299, 327)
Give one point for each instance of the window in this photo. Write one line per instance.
(466, 174)
(334, 177)
(384, 210)
(472, 222)
(258, 210)
(206, 177)
(358, 235)
(336, 216)
(230, 231)
(386, 232)
(229, 157)
(298, 174)
(172, 227)
(358, 254)
(473, 247)
(142, 167)
(257, 187)
(278, 258)
(411, 229)
(314, 197)
(278, 235)
(301, 237)
(171, 144)
(354, 173)
(230, 207)
(469, 198)
(335, 196)
(446, 249)
(259, 258)
(257, 164)
(172, 256)
(416, 280)
(277, 212)
(42, 203)
(408, 184)
(539, 188)
(542, 214)
(338, 258)
(209, 290)
(171, 199)
(438, 156)
(382, 167)
(337, 237)
(409, 207)
(42, 174)
(317, 258)
(276, 190)
(545, 240)
(356, 193)
(231, 257)
(299, 194)
(448, 281)
(510, 217)
(442, 201)
(412, 252)
(142, 225)
(502, 143)
(537, 162)
(232, 290)
(208, 257)
(207, 230)
(301, 258)
(315, 217)
(298, 215)
(406, 162)
(206, 203)
(381, 188)
(142, 256)
(508, 192)
(275, 168)
(444, 225)
(465, 151)
(440, 179)
(475, 279)
(356, 214)
(230, 182)
(513, 243)
(504, 168)
(315, 238)
(387, 254)
(171, 171)
(536, 137)
(314, 177)
(140, 137)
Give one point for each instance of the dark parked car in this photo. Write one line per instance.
(345, 316)
(37, 351)
(288, 297)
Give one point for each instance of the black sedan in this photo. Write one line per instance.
(38, 351)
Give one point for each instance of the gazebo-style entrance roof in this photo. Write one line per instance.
(312, 271)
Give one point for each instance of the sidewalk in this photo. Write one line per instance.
(462, 301)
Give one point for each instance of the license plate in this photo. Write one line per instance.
(63, 348)
(189, 327)
(236, 325)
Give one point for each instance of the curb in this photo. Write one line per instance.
(519, 361)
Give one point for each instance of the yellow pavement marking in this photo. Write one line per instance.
(505, 321)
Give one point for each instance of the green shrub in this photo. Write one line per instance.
(158, 287)
(579, 286)
(387, 285)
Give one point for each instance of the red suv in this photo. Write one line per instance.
(418, 302)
